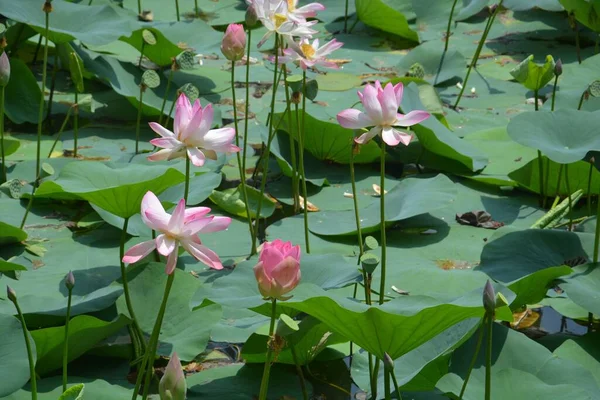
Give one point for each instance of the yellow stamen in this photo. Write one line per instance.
(308, 50)
(291, 5)
(280, 19)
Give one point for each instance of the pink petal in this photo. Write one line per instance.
(139, 251)
(294, 252)
(165, 154)
(162, 131)
(194, 126)
(367, 136)
(203, 254)
(287, 274)
(412, 118)
(264, 39)
(165, 244)
(394, 137)
(206, 123)
(152, 212)
(166, 143)
(270, 257)
(354, 119)
(387, 99)
(195, 226)
(195, 213)
(399, 90)
(328, 48)
(217, 224)
(196, 156)
(178, 217)
(309, 10)
(329, 64)
(171, 262)
(372, 105)
(219, 139)
(183, 114)
(264, 282)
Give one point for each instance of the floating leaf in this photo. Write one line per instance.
(532, 75)
(15, 373)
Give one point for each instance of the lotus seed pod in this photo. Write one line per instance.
(558, 68)
(11, 294)
(489, 297)
(4, 70)
(47, 8)
(70, 280)
(416, 71)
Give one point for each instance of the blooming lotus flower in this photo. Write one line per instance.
(192, 135)
(309, 55)
(233, 45)
(275, 16)
(181, 228)
(278, 269)
(172, 385)
(381, 112)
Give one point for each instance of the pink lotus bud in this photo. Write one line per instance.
(233, 45)
(172, 385)
(70, 280)
(11, 294)
(489, 297)
(4, 70)
(278, 269)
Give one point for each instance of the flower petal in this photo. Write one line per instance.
(162, 131)
(196, 156)
(354, 119)
(202, 253)
(177, 218)
(193, 213)
(399, 91)
(394, 137)
(219, 139)
(389, 106)
(412, 118)
(139, 251)
(195, 226)
(183, 111)
(367, 136)
(165, 154)
(153, 213)
(371, 104)
(287, 274)
(171, 262)
(217, 224)
(165, 244)
(166, 143)
(270, 257)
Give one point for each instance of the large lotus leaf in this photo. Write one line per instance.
(582, 287)
(97, 389)
(239, 288)
(183, 330)
(472, 7)
(10, 145)
(586, 11)
(583, 351)
(73, 393)
(532, 75)
(565, 136)
(95, 24)
(22, 94)
(15, 368)
(410, 197)
(386, 15)
(84, 332)
(438, 139)
(116, 188)
(520, 367)
(241, 382)
(160, 53)
(439, 66)
(11, 234)
(232, 201)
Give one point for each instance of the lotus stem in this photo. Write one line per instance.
(301, 138)
(473, 359)
(177, 9)
(62, 128)
(139, 119)
(488, 357)
(141, 54)
(387, 385)
(346, 18)
(540, 159)
(581, 99)
(37, 51)
(300, 373)
(552, 218)
(41, 108)
(66, 345)
(245, 141)
(382, 222)
(295, 188)
(52, 87)
(374, 378)
(139, 6)
(554, 92)
(264, 384)
(27, 345)
(396, 387)
(577, 44)
(589, 189)
(4, 176)
(597, 45)
(153, 344)
(164, 103)
(478, 51)
(169, 116)
(361, 249)
(267, 151)
(156, 254)
(196, 9)
(569, 195)
(449, 25)
(75, 124)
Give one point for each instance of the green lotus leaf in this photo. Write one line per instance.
(532, 75)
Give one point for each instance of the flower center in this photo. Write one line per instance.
(279, 20)
(308, 50)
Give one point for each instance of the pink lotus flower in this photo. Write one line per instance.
(173, 385)
(309, 55)
(181, 228)
(381, 106)
(278, 269)
(233, 45)
(192, 135)
(300, 14)
(276, 17)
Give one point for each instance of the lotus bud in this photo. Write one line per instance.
(47, 7)
(251, 17)
(233, 45)
(492, 8)
(558, 68)
(388, 363)
(70, 280)
(489, 297)
(172, 385)
(11, 294)
(278, 269)
(4, 70)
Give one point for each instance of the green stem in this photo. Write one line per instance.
(29, 351)
(387, 385)
(164, 103)
(488, 358)
(245, 142)
(539, 154)
(153, 344)
(139, 6)
(295, 188)
(554, 93)
(66, 345)
(577, 45)
(267, 151)
(139, 119)
(300, 373)
(449, 25)
(166, 125)
(264, 384)
(375, 378)
(597, 236)
(187, 179)
(62, 128)
(346, 18)
(546, 181)
(4, 176)
(75, 125)
(473, 359)
(569, 195)
(41, 107)
(52, 87)
(589, 189)
(239, 155)
(382, 222)
(597, 45)
(141, 54)
(361, 249)
(177, 9)
(156, 253)
(477, 52)
(559, 181)
(396, 387)
(301, 137)
(196, 9)
(581, 99)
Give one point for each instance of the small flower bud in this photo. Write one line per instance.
(558, 68)
(251, 17)
(492, 8)
(489, 297)
(388, 363)
(47, 8)
(4, 70)
(70, 280)
(172, 385)
(11, 294)
(233, 45)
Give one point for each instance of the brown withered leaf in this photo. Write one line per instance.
(479, 219)
(310, 206)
